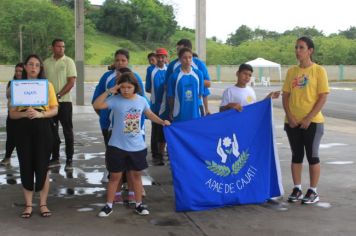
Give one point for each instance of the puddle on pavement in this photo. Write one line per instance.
(165, 222)
(77, 191)
(85, 136)
(93, 174)
(340, 162)
(88, 156)
(10, 178)
(325, 205)
(147, 180)
(94, 177)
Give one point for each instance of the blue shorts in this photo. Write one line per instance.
(118, 160)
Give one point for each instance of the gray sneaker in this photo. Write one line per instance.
(296, 195)
(311, 197)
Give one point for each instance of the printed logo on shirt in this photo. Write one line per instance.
(132, 121)
(300, 81)
(249, 99)
(188, 95)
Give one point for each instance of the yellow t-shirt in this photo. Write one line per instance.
(304, 86)
(58, 71)
(52, 100)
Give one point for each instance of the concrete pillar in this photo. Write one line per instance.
(200, 29)
(79, 49)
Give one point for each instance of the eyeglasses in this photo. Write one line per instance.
(34, 64)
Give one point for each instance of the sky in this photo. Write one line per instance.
(225, 16)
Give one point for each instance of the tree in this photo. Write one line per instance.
(40, 22)
(265, 34)
(304, 31)
(70, 4)
(350, 33)
(242, 34)
(145, 20)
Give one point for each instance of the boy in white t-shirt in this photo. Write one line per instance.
(241, 94)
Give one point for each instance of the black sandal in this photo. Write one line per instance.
(26, 215)
(45, 213)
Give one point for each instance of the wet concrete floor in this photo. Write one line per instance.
(77, 196)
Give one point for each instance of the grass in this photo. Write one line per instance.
(103, 46)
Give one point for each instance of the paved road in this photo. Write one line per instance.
(341, 101)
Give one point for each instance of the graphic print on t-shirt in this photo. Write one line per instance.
(300, 81)
(132, 121)
(188, 94)
(249, 99)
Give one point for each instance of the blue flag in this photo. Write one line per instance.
(227, 158)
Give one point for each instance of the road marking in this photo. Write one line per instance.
(329, 145)
(340, 162)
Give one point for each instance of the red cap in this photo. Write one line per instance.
(161, 51)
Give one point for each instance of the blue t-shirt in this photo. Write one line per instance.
(155, 84)
(196, 64)
(108, 80)
(186, 89)
(126, 132)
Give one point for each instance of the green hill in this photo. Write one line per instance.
(102, 47)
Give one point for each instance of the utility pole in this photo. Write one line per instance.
(200, 29)
(20, 39)
(79, 49)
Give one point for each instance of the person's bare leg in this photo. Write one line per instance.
(112, 186)
(206, 105)
(136, 184)
(43, 197)
(297, 173)
(28, 195)
(314, 173)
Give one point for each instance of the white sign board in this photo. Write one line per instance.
(29, 92)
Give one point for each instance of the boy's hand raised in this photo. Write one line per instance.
(274, 94)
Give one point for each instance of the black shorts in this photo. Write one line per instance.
(307, 140)
(118, 160)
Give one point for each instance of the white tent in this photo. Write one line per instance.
(263, 63)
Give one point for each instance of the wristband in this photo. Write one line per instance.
(58, 96)
(108, 92)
